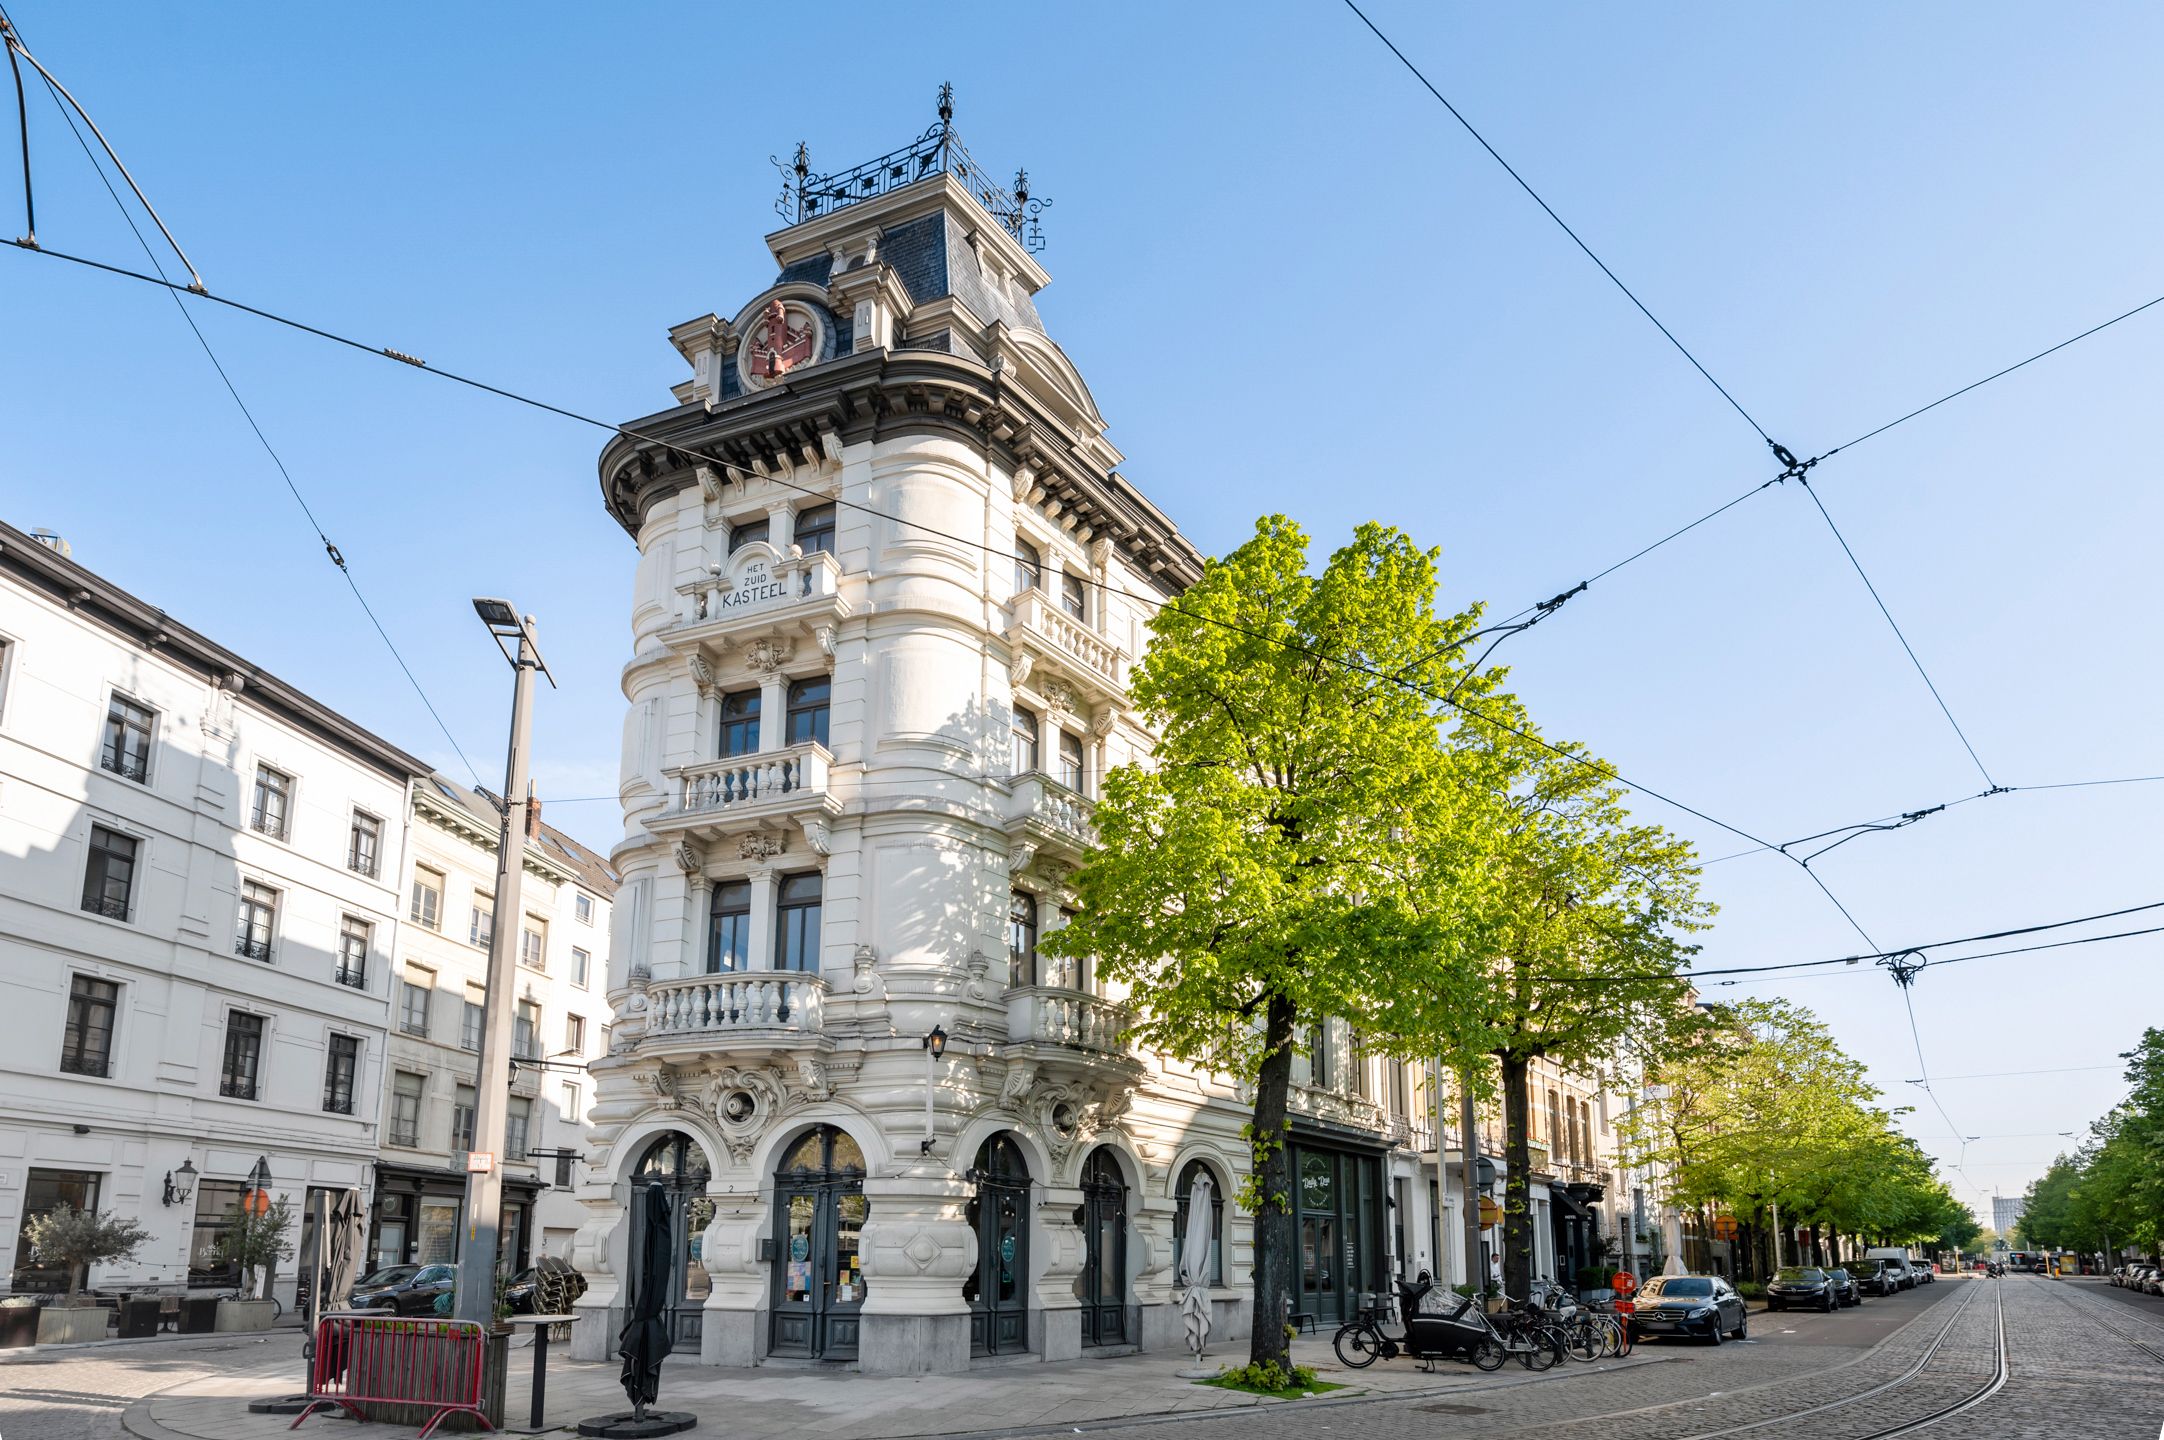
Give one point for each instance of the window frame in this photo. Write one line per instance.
(1074, 596)
(526, 1030)
(259, 812)
(92, 851)
(582, 907)
(464, 1100)
(481, 922)
(819, 715)
(256, 920)
(737, 734)
(574, 1033)
(582, 967)
(433, 920)
(472, 1022)
(1183, 1215)
(722, 906)
(392, 1135)
(1074, 769)
(74, 1030)
(1028, 565)
(358, 824)
(533, 944)
(112, 761)
(351, 1053)
(819, 521)
(747, 531)
(797, 924)
(228, 1078)
(427, 989)
(1025, 739)
(1022, 935)
(353, 976)
(517, 1129)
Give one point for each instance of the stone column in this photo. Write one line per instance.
(781, 525)
(1055, 1315)
(918, 1250)
(698, 901)
(730, 1332)
(761, 942)
(773, 710)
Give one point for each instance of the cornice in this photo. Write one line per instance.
(877, 393)
(463, 824)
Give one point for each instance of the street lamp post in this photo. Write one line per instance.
(476, 1293)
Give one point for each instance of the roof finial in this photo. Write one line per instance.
(946, 103)
(803, 160)
(1021, 186)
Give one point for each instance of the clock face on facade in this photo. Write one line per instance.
(785, 336)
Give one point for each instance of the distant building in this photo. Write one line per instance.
(2006, 1214)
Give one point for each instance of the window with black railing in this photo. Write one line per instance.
(270, 813)
(128, 728)
(258, 913)
(243, 1055)
(86, 1046)
(364, 848)
(340, 1070)
(109, 874)
(353, 940)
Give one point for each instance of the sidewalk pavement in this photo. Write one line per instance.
(781, 1400)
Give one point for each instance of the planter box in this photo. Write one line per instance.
(198, 1314)
(57, 1326)
(18, 1326)
(244, 1315)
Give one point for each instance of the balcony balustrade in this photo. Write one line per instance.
(1094, 663)
(757, 588)
(1069, 1019)
(774, 782)
(717, 1009)
(1050, 810)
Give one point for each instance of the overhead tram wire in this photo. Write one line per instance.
(337, 558)
(1561, 224)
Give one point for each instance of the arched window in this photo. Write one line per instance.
(728, 934)
(1022, 939)
(1028, 565)
(1182, 1218)
(1026, 753)
(676, 1160)
(824, 1151)
(808, 709)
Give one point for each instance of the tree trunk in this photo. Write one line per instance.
(1517, 1181)
(1276, 1246)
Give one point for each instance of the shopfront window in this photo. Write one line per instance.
(436, 1238)
(217, 1205)
(48, 1190)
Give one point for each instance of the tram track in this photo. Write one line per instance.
(1897, 1383)
(2096, 1309)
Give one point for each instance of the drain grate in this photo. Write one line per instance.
(1449, 1409)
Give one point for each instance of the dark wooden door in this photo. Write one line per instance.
(1103, 1285)
(818, 1269)
(998, 1291)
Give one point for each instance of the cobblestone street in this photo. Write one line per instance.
(2083, 1360)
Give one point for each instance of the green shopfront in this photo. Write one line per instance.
(1338, 1203)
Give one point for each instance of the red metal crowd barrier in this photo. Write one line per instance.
(364, 1360)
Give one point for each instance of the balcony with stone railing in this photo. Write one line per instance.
(778, 1009)
(760, 590)
(1072, 1019)
(732, 795)
(1096, 667)
(1045, 814)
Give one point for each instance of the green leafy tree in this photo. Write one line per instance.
(1302, 845)
(76, 1239)
(256, 1243)
(1592, 912)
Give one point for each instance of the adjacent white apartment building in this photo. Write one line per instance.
(439, 985)
(201, 874)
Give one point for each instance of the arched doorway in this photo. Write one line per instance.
(676, 1160)
(819, 1213)
(998, 1291)
(1102, 1286)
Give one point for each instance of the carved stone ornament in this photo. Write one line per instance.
(1019, 856)
(759, 846)
(661, 1084)
(830, 443)
(1101, 552)
(687, 858)
(817, 835)
(1056, 872)
(702, 673)
(1059, 696)
(1061, 1116)
(824, 634)
(769, 653)
(710, 481)
(979, 966)
(1021, 1079)
(866, 965)
(740, 1103)
(1025, 476)
(1102, 722)
(1019, 667)
(812, 1078)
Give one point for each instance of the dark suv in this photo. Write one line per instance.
(404, 1289)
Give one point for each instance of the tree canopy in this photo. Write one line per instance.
(2109, 1193)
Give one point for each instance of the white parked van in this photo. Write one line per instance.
(1894, 1257)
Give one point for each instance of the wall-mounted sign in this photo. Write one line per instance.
(480, 1162)
(755, 585)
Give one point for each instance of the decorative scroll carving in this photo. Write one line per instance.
(769, 653)
(702, 671)
(1021, 1079)
(817, 835)
(687, 857)
(866, 965)
(1019, 856)
(979, 966)
(1019, 667)
(740, 1103)
(1102, 722)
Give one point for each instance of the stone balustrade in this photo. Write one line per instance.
(742, 781)
(736, 1002)
(1073, 1019)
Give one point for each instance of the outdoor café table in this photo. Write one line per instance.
(541, 1324)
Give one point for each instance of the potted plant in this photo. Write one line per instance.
(75, 1240)
(254, 1243)
(18, 1322)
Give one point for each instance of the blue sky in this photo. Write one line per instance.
(1294, 285)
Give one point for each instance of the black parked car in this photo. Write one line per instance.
(1806, 1286)
(1703, 1307)
(1880, 1277)
(404, 1289)
(1845, 1288)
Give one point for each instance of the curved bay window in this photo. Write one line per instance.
(1182, 1217)
(679, 1166)
(1022, 939)
(808, 709)
(728, 929)
(796, 927)
(997, 1291)
(739, 724)
(819, 1212)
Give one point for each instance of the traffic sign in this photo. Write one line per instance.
(1490, 1212)
(1724, 1227)
(256, 1202)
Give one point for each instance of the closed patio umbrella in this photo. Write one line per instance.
(1194, 1263)
(645, 1339)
